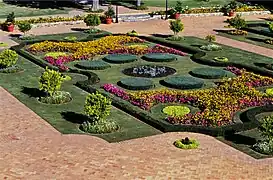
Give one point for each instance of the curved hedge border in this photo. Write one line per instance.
(92, 65)
(136, 83)
(209, 73)
(120, 58)
(159, 57)
(182, 82)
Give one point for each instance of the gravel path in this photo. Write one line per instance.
(32, 149)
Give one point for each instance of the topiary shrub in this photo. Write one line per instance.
(97, 107)
(182, 82)
(186, 143)
(149, 71)
(24, 27)
(50, 82)
(92, 20)
(55, 55)
(176, 26)
(176, 111)
(93, 65)
(120, 58)
(237, 22)
(159, 57)
(8, 58)
(209, 73)
(136, 83)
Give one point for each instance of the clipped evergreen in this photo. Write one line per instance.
(93, 65)
(183, 82)
(120, 58)
(136, 83)
(159, 57)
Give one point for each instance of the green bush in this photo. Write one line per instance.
(159, 57)
(51, 81)
(136, 83)
(99, 127)
(269, 91)
(266, 128)
(92, 20)
(237, 22)
(120, 58)
(55, 55)
(209, 73)
(183, 82)
(8, 58)
(210, 38)
(93, 65)
(186, 143)
(60, 97)
(97, 107)
(176, 26)
(211, 47)
(176, 111)
(24, 27)
(264, 147)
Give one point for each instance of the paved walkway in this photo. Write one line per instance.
(32, 149)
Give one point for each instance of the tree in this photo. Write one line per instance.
(176, 26)
(24, 27)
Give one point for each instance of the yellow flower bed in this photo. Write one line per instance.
(84, 49)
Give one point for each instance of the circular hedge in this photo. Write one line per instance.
(136, 83)
(209, 73)
(182, 82)
(120, 58)
(186, 143)
(176, 111)
(149, 71)
(159, 57)
(93, 65)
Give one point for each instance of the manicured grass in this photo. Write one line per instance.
(5, 9)
(67, 117)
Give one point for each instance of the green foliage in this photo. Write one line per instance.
(269, 91)
(176, 111)
(270, 26)
(8, 58)
(264, 147)
(132, 33)
(110, 13)
(51, 81)
(266, 128)
(10, 18)
(237, 22)
(159, 57)
(12, 69)
(55, 55)
(93, 65)
(92, 20)
(98, 127)
(211, 47)
(60, 97)
(120, 58)
(176, 26)
(209, 73)
(2, 44)
(210, 38)
(183, 82)
(178, 7)
(71, 38)
(24, 27)
(220, 59)
(97, 106)
(136, 83)
(186, 143)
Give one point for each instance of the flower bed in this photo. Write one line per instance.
(217, 105)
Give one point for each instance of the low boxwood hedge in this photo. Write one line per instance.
(182, 82)
(120, 58)
(136, 83)
(210, 73)
(92, 65)
(159, 57)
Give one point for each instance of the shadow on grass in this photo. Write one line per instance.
(73, 117)
(221, 30)
(32, 92)
(15, 35)
(260, 64)
(240, 139)
(79, 29)
(161, 35)
(255, 39)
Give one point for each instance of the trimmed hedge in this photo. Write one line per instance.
(159, 57)
(136, 83)
(92, 65)
(209, 73)
(120, 58)
(183, 82)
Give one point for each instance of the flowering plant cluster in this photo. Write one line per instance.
(217, 105)
(59, 61)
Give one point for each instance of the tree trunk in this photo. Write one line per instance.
(138, 3)
(95, 6)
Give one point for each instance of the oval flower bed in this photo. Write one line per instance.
(89, 49)
(217, 105)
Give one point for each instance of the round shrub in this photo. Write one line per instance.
(149, 71)
(92, 20)
(183, 82)
(186, 143)
(55, 55)
(176, 111)
(93, 65)
(159, 57)
(120, 58)
(220, 59)
(59, 97)
(136, 83)
(211, 47)
(209, 73)
(8, 58)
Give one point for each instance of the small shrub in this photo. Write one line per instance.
(237, 22)
(99, 127)
(92, 20)
(238, 32)
(8, 58)
(120, 58)
(186, 143)
(176, 111)
(97, 107)
(176, 26)
(264, 147)
(266, 128)
(210, 38)
(51, 81)
(270, 26)
(211, 47)
(24, 27)
(60, 97)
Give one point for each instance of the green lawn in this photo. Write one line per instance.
(67, 117)
(5, 9)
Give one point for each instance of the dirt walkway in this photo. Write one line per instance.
(32, 149)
